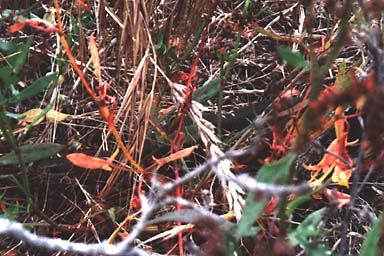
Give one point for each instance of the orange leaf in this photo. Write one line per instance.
(3, 207)
(165, 111)
(16, 27)
(42, 25)
(175, 156)
(89, 162)
(330, 162)
(84, 5)
(36, 23)
(271, 206)
(104, 112)
(335, 196)
(95, 58)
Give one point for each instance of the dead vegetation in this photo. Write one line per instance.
(282, 98)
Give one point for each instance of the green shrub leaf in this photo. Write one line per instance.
(36, 87)
(306, 231)
(209, 90)
(294, 59)
(370, 245)
(276, 172)
(16, 53)
(8, 77)
(31, 153)
(14, 115)
(269, 173)
(251, 212)
(295, 203)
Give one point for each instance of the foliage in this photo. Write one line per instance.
(275, 173)
(306, 231)
(16, 55)
(31, 153)
(192, 127)
(371, 243)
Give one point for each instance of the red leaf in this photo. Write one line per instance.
(3, 207)
(84, 5)
(38, 24)
(89, 162)
(42, 25)
(335, 196)
(135, 203)
(271, 206)
(16, 27)
(175, 156)
(332, 161)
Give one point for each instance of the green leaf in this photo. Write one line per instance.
(73, 35)
(160, 43)
(294, 59)
(295, 203)
(8, 77)
(6, 14)
(31, 153)
(276, 172)
(342, 78)
(269, 173)
(16, 53)
(209, 90)
(14, 115)
(371, 242)
(261, 11)
(13, 210)
(35, 88)
(251, 212)
(8, 46)
(305, 233)
(234, 248)
(307, 228)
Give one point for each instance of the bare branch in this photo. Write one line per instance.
(17, 231)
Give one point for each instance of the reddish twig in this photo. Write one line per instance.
(104, 112)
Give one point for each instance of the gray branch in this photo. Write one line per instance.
(155, 200)
(16, 230)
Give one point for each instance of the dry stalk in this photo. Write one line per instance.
(233, 192)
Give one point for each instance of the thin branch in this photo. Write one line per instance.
(150, 205)
(17, 231)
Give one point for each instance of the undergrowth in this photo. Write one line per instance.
(191, 127)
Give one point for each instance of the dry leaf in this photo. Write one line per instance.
(335, 196)
(31, 115)
(94, 163)
(17, 27)
(51, 116)
(95, 57)
(54, 115)
(271, 206)
(89, 162)
(175, 156)
(330, 162)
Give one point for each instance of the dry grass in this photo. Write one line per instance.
(155, 54)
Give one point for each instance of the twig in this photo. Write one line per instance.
(150, 205)
(17, 231)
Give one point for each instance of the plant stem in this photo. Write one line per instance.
(318, 73)
(6, 129)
